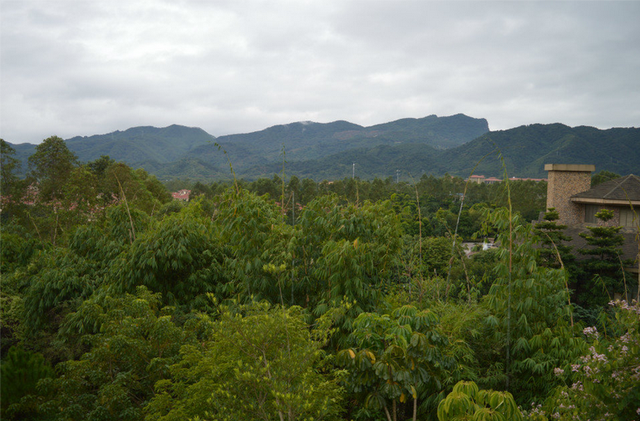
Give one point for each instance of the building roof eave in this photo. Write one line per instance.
(597, 201)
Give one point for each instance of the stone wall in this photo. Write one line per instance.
(565, 180)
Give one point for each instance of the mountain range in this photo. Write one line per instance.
(457, 145)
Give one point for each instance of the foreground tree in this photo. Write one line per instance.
(467, 402)
(50, 165)
(11, 187)
(258, 363)
(531, 315)
(132, 342)
(605, 382)
(604, 269)
(20, 372)
(180, 258)
(8, 167)
(396, 360)
(345, 252)
(553, 253)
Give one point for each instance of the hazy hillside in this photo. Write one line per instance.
(526, 149)
(439, 132)
(411, 159)
(146, 146)
(140, 144)
(305, 141)
(23, 152)
(328, 150)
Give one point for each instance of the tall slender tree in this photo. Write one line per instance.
(11, 187)
(50, 166)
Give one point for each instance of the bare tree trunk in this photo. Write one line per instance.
(386, 411)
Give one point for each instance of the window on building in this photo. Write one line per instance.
(626, 217)
(590, 213)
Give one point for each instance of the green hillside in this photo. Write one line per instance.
(328, 151)
(304, 141)
(139, 144)
(526, 149)
(439, 132)
(381, 161)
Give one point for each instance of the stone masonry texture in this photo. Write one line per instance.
(564, 181)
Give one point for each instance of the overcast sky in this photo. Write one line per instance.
(83, 67)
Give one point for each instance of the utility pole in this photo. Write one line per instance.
(353, 175)
(397, 176)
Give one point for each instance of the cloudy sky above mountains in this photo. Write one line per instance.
(83, 67)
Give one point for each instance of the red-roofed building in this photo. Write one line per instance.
(182, 195)
(476, 179)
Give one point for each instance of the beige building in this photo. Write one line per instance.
(569, 191)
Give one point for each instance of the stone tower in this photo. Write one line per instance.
(565, 180)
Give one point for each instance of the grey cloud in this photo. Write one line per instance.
(78, 67)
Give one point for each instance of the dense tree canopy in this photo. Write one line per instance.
(50, 166)
(290, 299)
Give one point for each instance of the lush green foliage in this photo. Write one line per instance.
(180, 258)
(396, 358)
(134, 344)
(256, 362)
(554, 252)
(20, 372)
(11, 187)
(300, 300)
(51, 165)
(604, 270)
(603, 176)
(468, 402)
(531, 313)
(605, 381)
(345, 252)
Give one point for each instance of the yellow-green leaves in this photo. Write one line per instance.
(396, 357)
(260, 362)
(468, 402)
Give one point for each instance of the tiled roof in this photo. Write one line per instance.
(623, 188)
(182, 194)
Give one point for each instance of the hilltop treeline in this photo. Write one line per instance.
(119, 303)
(456, 145)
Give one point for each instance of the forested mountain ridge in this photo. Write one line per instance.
(139, 144)
(134, 146)
(526, 149)
(523, 149)
(308, 141)
(431, 145)
(178, 151)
